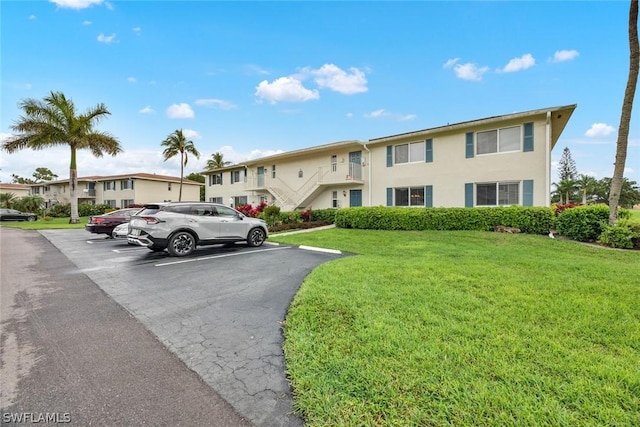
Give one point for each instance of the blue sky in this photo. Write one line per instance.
(250, 79)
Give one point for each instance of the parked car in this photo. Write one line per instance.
(105, 223)
(14, 215)
(181, 226)
(120, 231)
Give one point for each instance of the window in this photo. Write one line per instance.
(498, 194)
(215, 200)
(409, 196)
(126, 203)
(111, 203)
(126, 184)
(273, 171)
(109, 185)
(235, 176)
(168, 186)
(35, 190)
(239, 201)
(334, 200)
(409, 153)
(46, 189)
(334, 163)
(498, 141)
(215, 179)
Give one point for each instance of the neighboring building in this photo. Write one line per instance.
(119, 191)
(500, 160)
(19, 190)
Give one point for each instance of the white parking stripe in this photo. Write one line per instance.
(204, 258)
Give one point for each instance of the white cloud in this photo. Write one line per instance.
(132, 79)
(627, 171)
(469, 71)
(87, 23)
(180, 111)
(451, 62)
(106, 39)
(254, 69)
(519, 64)
(334, 78)
(599, 130)
(285, 89)
(191, 134)
(32, 17)
(564, 55)
(147, 110)
(137, 30)
(382, 113)
(212, 102)
(76, 4)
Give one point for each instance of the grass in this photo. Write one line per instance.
(41, 224)
(465, 329)
(635, 214)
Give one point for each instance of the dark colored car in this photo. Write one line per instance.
(104, 224)
(14, 215)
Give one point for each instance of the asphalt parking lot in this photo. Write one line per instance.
(220, 310)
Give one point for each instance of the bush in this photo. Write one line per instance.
(583, 223)
(625, 234)
(60, 211)
(534, 220)
(328, 215)
(558, 208)
(271, 214)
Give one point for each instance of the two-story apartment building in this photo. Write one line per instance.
(499, 160)
(18, 190)
(119, 191)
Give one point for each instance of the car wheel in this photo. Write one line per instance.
(31, 218)
(256, 237)
(181, 244)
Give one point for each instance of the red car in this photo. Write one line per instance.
(104, 224)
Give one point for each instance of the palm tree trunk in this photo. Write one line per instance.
(73, 184)
(181, 174)
(625, 117)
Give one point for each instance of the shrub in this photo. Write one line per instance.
(561, 207)
(328, 215)
(620, 235)
(271, 214)
(534, 220)
(583, 223)
(60, 211)
(306, 215)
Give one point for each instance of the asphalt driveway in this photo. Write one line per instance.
(219, 310)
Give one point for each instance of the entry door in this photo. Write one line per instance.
(355, 164)
(355, 198)
(260, 177)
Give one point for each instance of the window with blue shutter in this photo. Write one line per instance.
(527, 192)
(468, 195)
(389, 196)
(528, 137)
(469, 145)
(428, 196)
(428, 151)
(389, 156)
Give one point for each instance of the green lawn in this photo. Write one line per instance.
(465, 329)
(41, 224)
(635, 214)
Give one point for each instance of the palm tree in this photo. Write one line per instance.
(177, 143)
(216, 162)
(565, 188)
(587, 184)
(625, 116)
(7, 200)
(54, 121)
(31, 203)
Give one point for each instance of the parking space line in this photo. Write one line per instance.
(204, 258)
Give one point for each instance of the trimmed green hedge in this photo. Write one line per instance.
(534, 220)
(583, 223)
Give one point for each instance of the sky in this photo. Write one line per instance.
(250, 79)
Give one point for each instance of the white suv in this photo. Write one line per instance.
(181, 226)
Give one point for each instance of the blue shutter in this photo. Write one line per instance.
(528, 137)
(389, 156)
(221, 175)
(428, 196)
(389, 196)
(231, 173)
(468, 195)
(469, 145)
(527, 192)
(428, 151)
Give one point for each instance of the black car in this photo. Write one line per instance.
(104, 224)
(14, 215)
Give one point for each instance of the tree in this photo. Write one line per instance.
(7, 200)
(216, 161)
(629, 192)
(53, 122)
(31, 203)
(625, 116)
(567, 170)
(565, 190)
(587, 185)
(40, 175)
(177, 143)
(198, 177)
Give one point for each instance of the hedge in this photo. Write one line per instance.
(535, 220)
